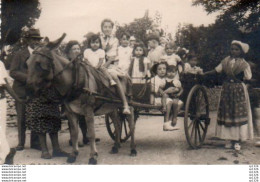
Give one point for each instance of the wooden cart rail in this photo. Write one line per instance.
(131, 103)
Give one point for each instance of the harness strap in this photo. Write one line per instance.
(98, 80)
(42, 54)
(67, 65)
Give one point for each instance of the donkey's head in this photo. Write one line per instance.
(41, 67)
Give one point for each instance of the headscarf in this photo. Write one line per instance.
(244, 46)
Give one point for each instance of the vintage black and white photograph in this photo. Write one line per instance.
(130, 82)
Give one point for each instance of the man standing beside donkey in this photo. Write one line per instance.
(18, 71)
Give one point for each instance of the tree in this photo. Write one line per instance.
(238, 20)
(210, 44)
(138, 28)
(17, 14)
(244, 12)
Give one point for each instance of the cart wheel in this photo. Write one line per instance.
(125, 130)
(196, 116)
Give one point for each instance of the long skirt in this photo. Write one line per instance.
(4, 146)
(236, 127)
(43, 115)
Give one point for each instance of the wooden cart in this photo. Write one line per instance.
(195, 112)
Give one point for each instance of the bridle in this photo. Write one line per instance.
(50, 58)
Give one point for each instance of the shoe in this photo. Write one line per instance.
(163, 109)
(112, 82)
(46, 155)
(10, 157)
(168, 127)
(228, 145)
(19, 148)
(173, 123)
(59, 153)
(126, 111)
(36, 147)
(237, 146)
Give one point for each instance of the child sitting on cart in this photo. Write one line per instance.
(171, 89)
(191, 66)
(171, 58)
(138, 68)
(160, 89)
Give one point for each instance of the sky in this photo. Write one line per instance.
(78, 17)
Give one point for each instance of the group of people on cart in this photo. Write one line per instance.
(161, 66)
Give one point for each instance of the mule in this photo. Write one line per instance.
(46, 68)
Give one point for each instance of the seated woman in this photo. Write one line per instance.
(72, 50)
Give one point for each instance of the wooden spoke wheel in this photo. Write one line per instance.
(124, 128)
(196, 116)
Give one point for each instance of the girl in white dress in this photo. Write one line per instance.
(95, 56)
(6, 154)
(138, 69)
(124, 53)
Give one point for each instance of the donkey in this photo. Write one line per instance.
(46, 68)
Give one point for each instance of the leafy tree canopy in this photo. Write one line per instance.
(244, 12)
(137, 28)
(17, 14)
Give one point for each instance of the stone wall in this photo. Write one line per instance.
(214, 96)
(11, 112)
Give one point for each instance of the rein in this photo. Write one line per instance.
(67, 65)
(61, 71)
(51, 58)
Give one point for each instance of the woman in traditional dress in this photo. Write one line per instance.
(234, 119)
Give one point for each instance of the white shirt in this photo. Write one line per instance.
(28, 62)
(3, 73)
(137, 75)
(155, 55)
(111, 41)
(124, 57)
(94, 56)
(193, 70)
(136, 72)
(30, 50)
(175, 81)
(247, 71)
(157, 82)
(172, 59)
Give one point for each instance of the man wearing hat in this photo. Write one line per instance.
(18, 71)
(156, 51)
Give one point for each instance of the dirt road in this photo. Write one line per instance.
(154, 146)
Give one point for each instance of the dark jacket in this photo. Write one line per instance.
(18, 71)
